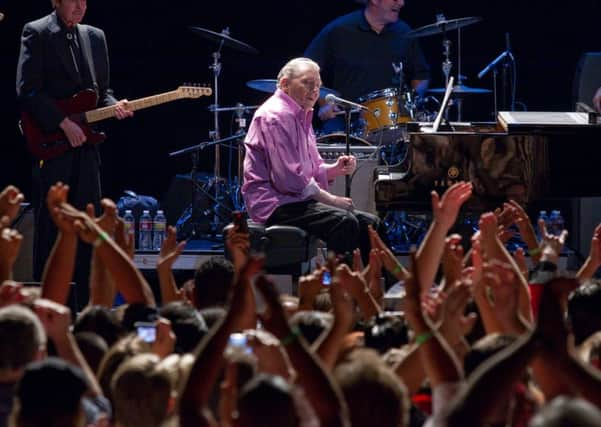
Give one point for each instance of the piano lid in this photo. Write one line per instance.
(549, 122)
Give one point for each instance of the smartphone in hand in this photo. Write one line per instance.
(147, 331)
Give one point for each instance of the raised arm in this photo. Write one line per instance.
(170, 251)
(58, 271)
(445, 211)
(193, 404)
(128, 279)
(593, 261)
(319, 388)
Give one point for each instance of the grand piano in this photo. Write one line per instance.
(525, 156)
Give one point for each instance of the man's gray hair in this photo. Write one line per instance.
(22, 337)
(293, 67)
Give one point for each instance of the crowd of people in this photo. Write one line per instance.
(491, 339)
(481, 337)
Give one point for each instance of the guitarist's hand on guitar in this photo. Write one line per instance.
(73, 132)
(122, 111)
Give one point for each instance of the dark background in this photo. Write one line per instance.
(152, 51)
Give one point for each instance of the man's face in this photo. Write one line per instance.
(71, 11)
(303, 87)
(388, 10)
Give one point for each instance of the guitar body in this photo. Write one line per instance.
(81, 108)
(46, 146)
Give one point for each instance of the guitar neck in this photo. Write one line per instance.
(138, 104)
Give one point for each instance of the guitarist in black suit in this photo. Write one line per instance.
(59, 57)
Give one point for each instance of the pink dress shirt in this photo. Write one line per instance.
(282, 164)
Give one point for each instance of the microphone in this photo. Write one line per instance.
(333, 99)
(1, 16)
(493, 64)
(498, 59)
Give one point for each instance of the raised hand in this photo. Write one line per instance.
(57, 196)
(109, 219)
(506, 215)
(238, 244)
(455, 324)
(10, 202)
(125, 239)
(551, 244)
(10, 244)
(520, 259)
(505, 288)
(309, 286)
(11, 293)
(84, 226)
(274, 318)
(447, 208)
(452, 259)
(374, 275)
(595, 252)
(387, 258)
(170, 249)
(55, 318)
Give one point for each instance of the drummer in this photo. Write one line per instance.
(360, 53)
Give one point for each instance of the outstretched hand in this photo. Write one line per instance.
(551, 244)
(56, 197)
(447, 208)
(109, 218)
(170, 249)
(10, 202)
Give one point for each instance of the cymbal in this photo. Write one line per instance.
(461, 90)
(224, 37)
(270, 85)
(442, 26)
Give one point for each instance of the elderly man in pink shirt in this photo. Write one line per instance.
(285, 178)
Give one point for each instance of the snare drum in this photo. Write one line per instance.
(388, 116)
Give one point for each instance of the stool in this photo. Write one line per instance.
(287, 249)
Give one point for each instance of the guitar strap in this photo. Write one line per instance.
(87, 50)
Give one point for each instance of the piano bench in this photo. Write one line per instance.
(287, 249)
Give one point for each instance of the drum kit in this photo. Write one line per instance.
(382, 122)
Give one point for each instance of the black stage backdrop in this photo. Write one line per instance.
(152, 51)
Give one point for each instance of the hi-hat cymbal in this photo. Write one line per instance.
(443, 26)
(270, 85)
(224, 37)
(461, 90)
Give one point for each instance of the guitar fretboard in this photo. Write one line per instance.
(138, 104)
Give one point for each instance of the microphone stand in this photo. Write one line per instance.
(347, 135)
(502, 60)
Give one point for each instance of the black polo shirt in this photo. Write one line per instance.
(355, 60)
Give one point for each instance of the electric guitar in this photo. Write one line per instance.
(80, 109)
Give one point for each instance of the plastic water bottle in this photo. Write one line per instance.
(159, 230)
(552, 222)
(542, 215)
(558, 222)
(129, 222)
(145, 232)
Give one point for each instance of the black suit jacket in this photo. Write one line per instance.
(46, 71)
